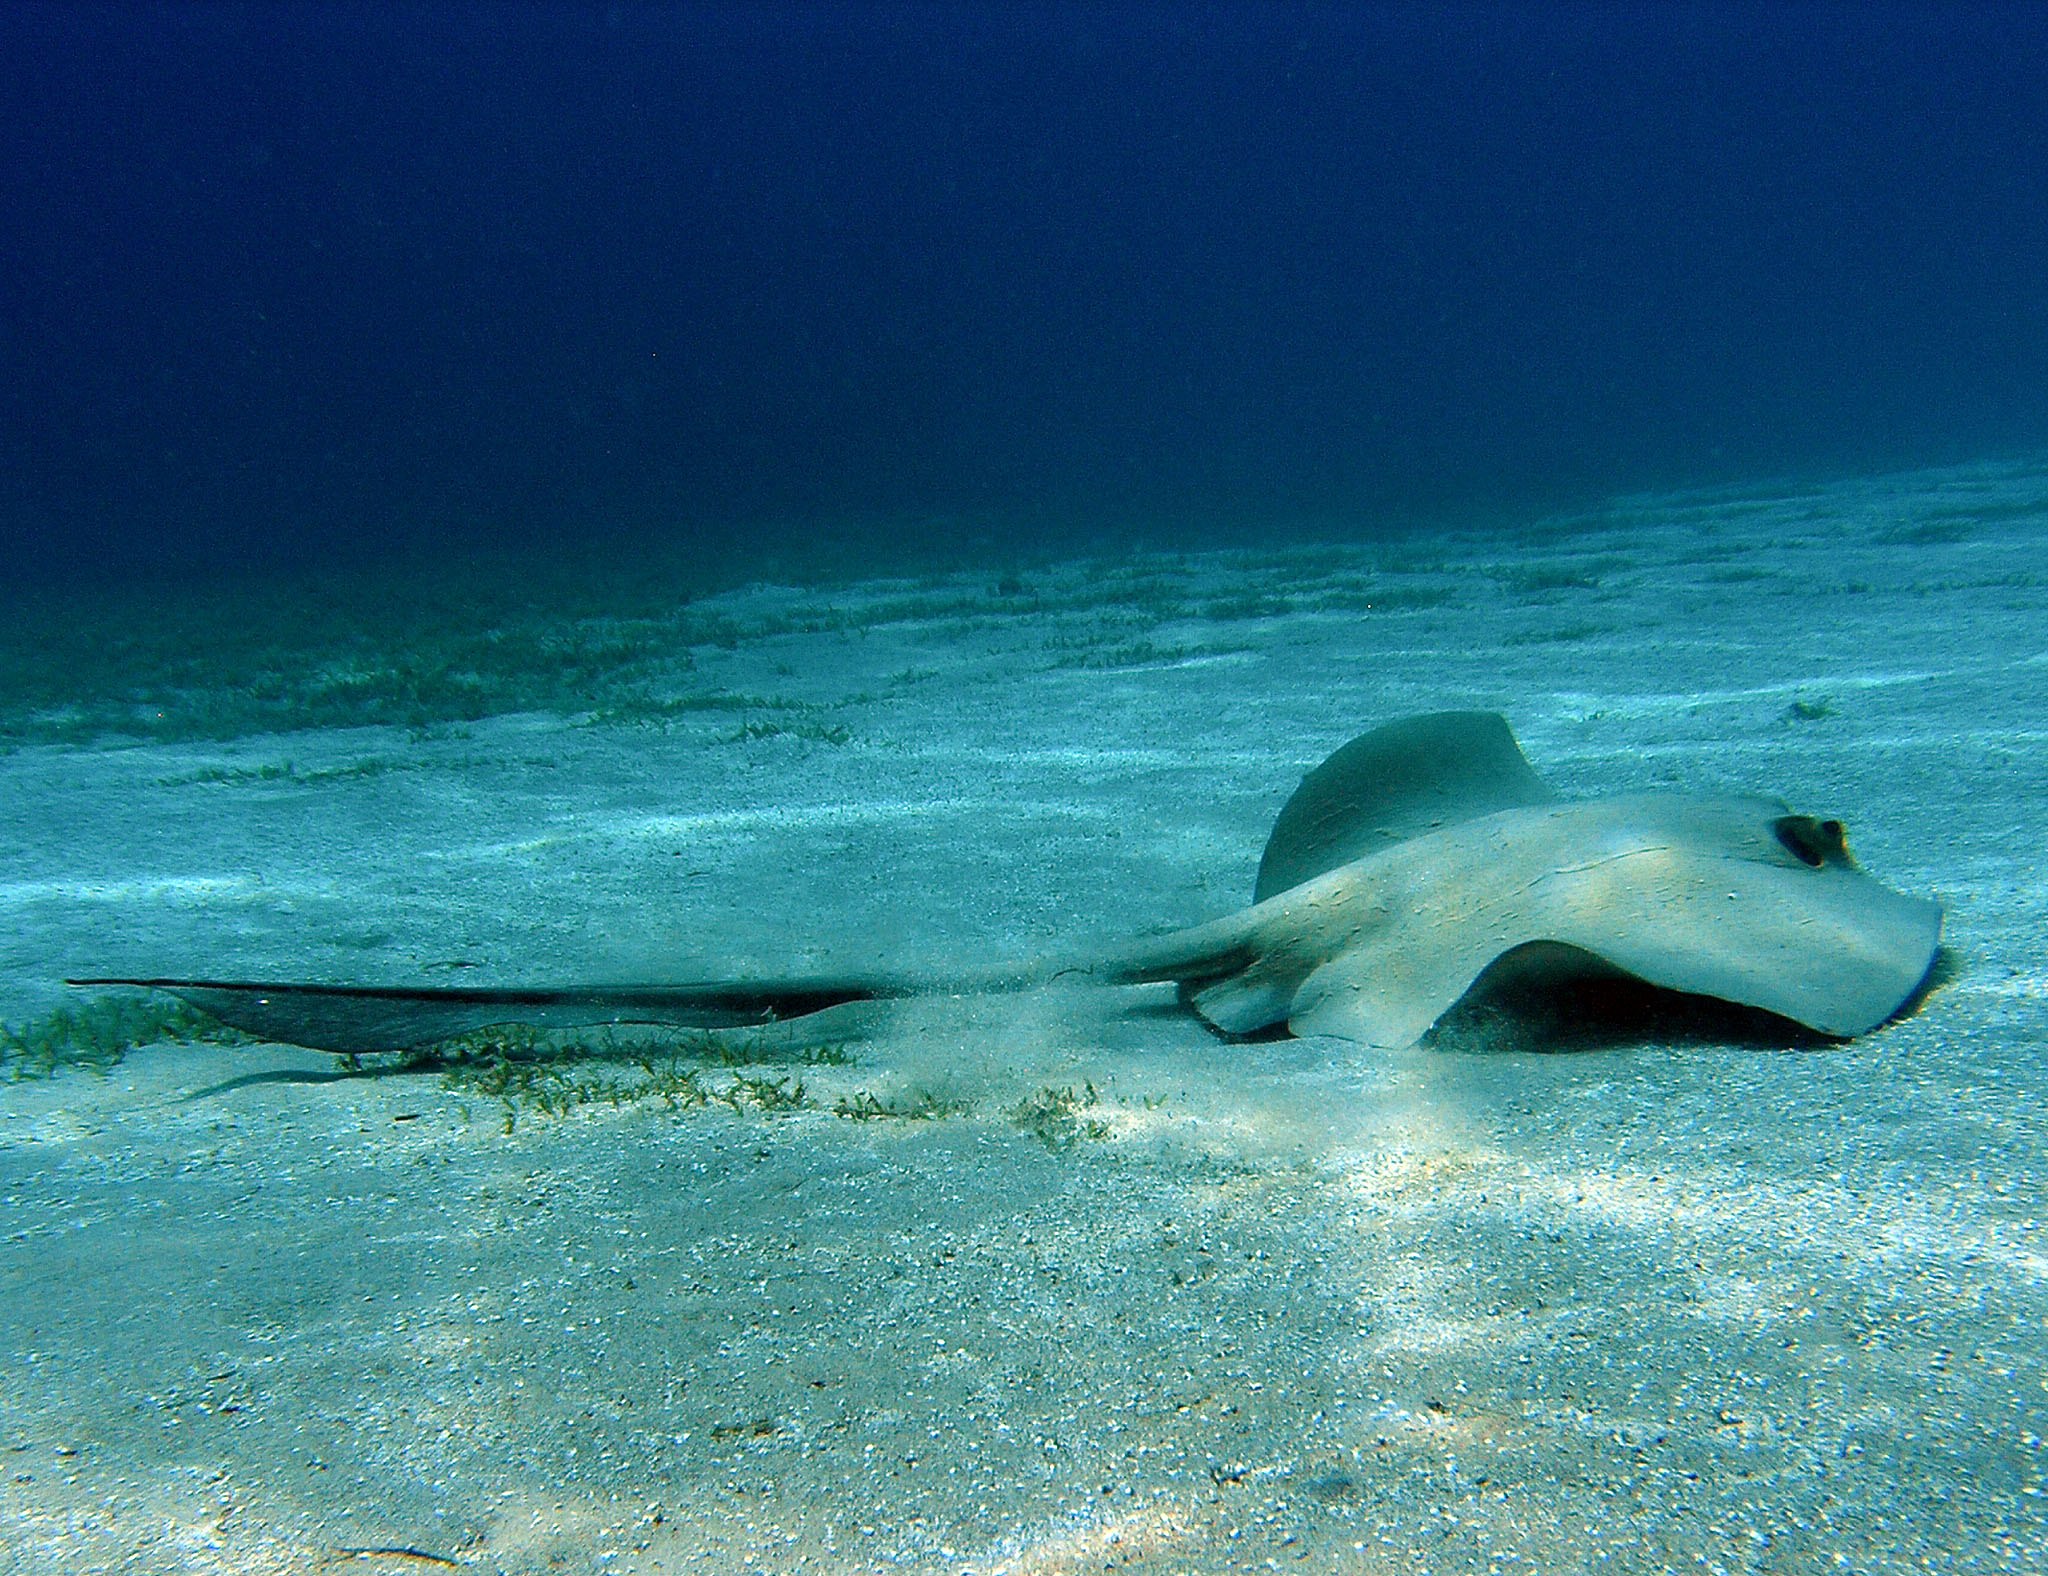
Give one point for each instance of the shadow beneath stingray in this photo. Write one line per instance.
(1553, 999)
(279, 1075)
(521, 1053)
(1550, 998)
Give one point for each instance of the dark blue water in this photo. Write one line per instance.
(288, 285)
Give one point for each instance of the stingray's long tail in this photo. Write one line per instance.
(350, 1018)
(366, 1018)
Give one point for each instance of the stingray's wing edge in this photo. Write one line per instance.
(366, 1018)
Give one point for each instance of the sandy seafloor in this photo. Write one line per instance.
(1637, 1306)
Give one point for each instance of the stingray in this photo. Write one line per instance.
(1402, 869)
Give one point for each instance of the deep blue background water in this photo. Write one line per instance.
(291, 284)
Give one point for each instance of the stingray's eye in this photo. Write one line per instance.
(1812, 842)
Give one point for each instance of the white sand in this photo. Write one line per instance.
(1699, 1306)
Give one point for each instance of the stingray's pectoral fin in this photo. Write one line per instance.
(1220, 972)
(1240, 1004)
(1374, 998)
(1388, 996)
(1242, 977)
(352, 1018)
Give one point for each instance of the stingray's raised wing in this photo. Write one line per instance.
(401, 1018)
(1399, 781)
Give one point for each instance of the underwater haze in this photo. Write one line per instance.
(287, 282)
(509, 510)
